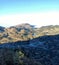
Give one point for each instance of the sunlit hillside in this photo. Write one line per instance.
(25, 32)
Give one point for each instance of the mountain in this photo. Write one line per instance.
(25, 32)
(17, 33)
(27, 45)
(43, 50)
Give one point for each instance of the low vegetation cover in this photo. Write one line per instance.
(43, 50)
(24, 32)
(27, 45)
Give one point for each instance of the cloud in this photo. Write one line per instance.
(39, 19)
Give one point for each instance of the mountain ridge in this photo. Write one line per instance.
(25, 32)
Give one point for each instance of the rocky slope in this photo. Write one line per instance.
(24, 32)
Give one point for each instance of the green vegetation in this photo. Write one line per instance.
(15, 57)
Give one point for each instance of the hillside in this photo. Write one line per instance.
(27, 45)
(25, 32)
(43, 50)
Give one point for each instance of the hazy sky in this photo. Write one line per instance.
(36, 12)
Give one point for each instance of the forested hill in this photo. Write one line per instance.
(43, 50)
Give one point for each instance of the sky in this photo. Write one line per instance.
(35, 12)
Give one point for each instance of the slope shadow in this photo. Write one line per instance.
(44, 39)
(43, 50)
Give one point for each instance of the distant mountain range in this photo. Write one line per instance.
(25, 32)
